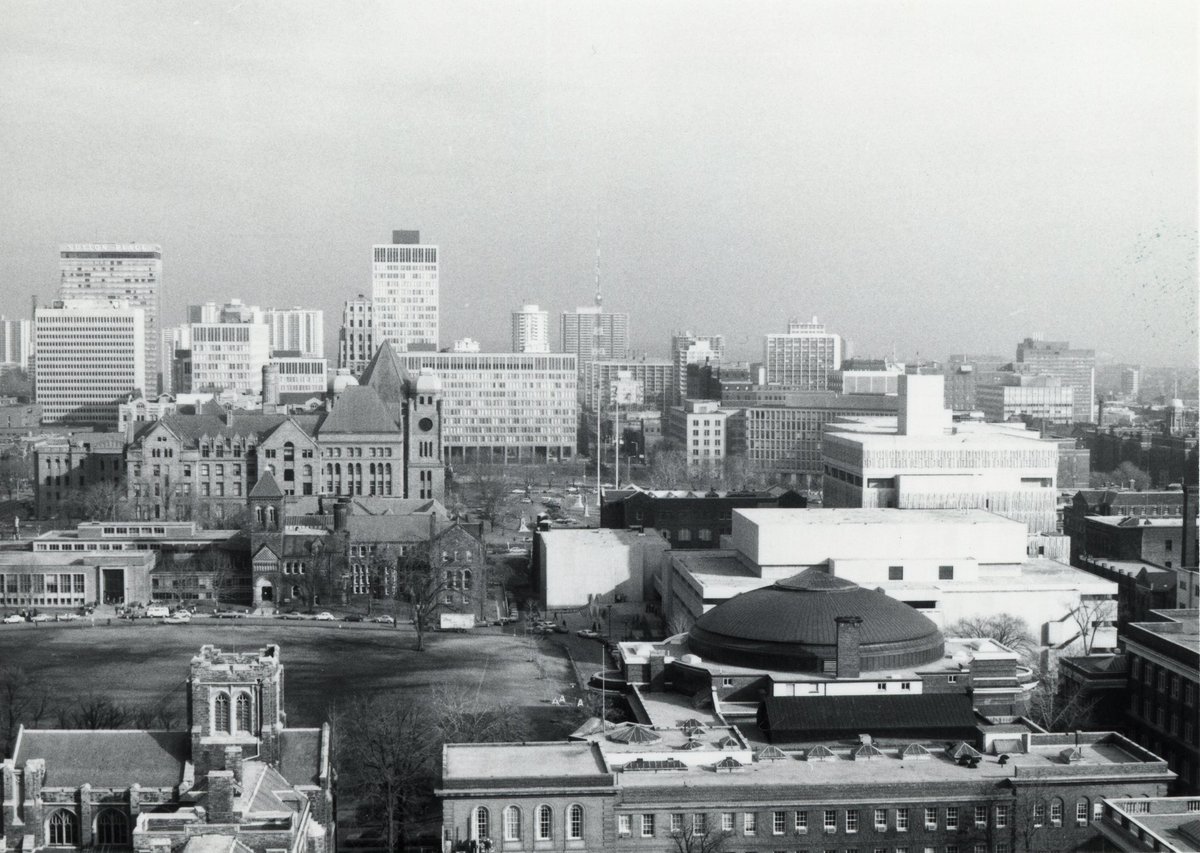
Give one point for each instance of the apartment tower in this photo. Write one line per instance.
(404, 290)
(530, 329)
(803, 357)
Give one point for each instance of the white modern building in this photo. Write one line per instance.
(300, 375)
(530, 329)
(593, 334)
(128, 271)
(690, 349)
(654, 375)
(297, 330)
(803, 357)
(699, 427)
(577, 567)
(1014, 396)
(356, 340)
(504, 408)
(404, 290)
(465, 345)
(15, 340)
(1076, 368)
(229, 356)
(920, 459)
(949, 564)
(90, 355)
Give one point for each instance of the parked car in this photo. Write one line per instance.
(291, 614)
(67, 617)
(588, 634)
(353, 617)
(325, 616)
(158, 611)
(42, 617)
(560, 629)
(13, 619)
(384, 620)
(180, 617)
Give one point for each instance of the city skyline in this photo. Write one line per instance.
(995, 162)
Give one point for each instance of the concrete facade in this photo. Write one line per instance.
(575, 567)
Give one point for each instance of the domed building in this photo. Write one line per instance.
(800, 624)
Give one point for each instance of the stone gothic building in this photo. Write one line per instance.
(236, 779)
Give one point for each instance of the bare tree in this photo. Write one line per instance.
(421, 583)
(463, 718)
(1090, 616)
(22, 701)
(389, 742)
(1004, 628)
(381, 573)
(485, 487)
(668, 468)
(93, 711)
(15, 471)
(106, 500)
(1059, 704)
(703, 836)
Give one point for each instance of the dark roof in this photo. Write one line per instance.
(924, 714)
(385, 375)
(792, 625)
(191, 428)
(358, 409)
(106, 758)
(266, 487)
(300, 756)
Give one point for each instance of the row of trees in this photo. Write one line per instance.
(391, 748)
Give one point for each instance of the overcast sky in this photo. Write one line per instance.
(933, 177)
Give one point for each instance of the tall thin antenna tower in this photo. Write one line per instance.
(597, 337)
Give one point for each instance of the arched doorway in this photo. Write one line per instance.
(264, 591)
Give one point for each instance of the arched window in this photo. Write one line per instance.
(544, 825)
(466, 579)
(1056, 811)
(512, 824)
(575, 822)
(243, 713)
(307, 472)
(63, 830)
(1083, 811)
(289, 452)
(481, 824)
(220, 720)
(271, 516)
(112, 828)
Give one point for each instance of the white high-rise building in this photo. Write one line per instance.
(803, 357)
(128, 271)
(299, 330)
(404, 290)
(14, 342)
(530, 329)
(228, 356)
(356, 341)
(593, 334)
(90, 355)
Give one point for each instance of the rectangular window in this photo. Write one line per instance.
(727, 821)
(801, 821)
(945, 573)
(1081, 813)
(981, 816)
(881, 819)
(676, 822)
(952, 817)
(699, 823)
(647, 826)
(1056, 813)
(623, 825)
(1001, 817)
(778, 823)
(895, 573)
(749, 823)
(852, 820)
(902, 820)
(830, 820)
(930, 818)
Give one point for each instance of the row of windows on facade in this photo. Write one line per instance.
(111, 827)
(1162, 679)
(784, 821)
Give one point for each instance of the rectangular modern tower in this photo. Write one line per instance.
(14, 342)
(128, 271)
(90, 356)
(803, 357)
(590, 340)
(530, 329)
(356, 340)
(404, 290)
(688, 349)
(1074, 367)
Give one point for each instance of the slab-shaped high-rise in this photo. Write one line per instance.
(404, 291)
(131, 272)
(1075, 368)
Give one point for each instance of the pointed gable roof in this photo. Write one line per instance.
(266, 487)
(264, 553)
(385, 375)
(359, 409)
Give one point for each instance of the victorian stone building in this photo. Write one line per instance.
(236, 779)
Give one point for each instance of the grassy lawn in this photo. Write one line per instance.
(138, 664)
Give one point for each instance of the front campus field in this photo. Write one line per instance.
(139, 664)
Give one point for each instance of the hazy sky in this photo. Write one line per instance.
(937, 177)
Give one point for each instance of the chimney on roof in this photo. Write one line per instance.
(233, 762)
(270, 389)
(1188, 556)
(220, 796)
(849, 637)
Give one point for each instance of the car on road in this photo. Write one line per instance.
(353, 617)
(42, 617)
(291, 615)
(158, 611)
(588, 634)
(325, 616)
(384, 620)
(229, 614)
(179, 617)
(13, 619)
(67, 617)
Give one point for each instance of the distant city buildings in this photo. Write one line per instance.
(90, 354)
(802, 357)
(592, 334)
(1075, 368)
(356, 340)
(698, 428)
(653, 376)
(15, 342)
(465, 345)
(404, 290)
(530, 329)
(694, 352)
(298, 330)
(229, 354)
(1039, 399)
(131, 272)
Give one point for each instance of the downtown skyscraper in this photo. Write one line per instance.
(404, 292)
(130, 272)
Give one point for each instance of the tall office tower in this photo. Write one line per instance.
(299, 330)
(356, 340)
(700, 350)
(803, 357)
(90, 355)
(404, 288)
(14, 342)
(1074, 367)
(595, 335)
(128, 271)
(530, 329)
(1131, 382)
(228, 355)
